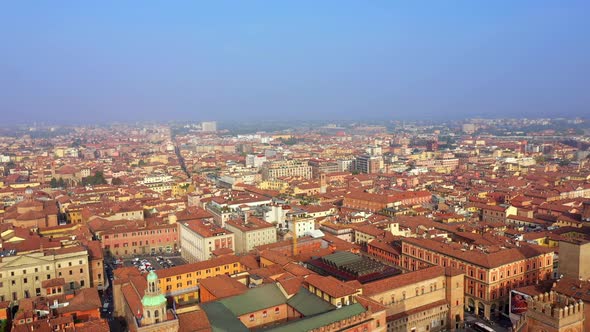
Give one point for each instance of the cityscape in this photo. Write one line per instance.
(295, 166)
(403, 226)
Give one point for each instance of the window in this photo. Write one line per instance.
(264, 314)
(81, 270)
(277, 310)
(81, 283)
(252, 317)
(24, 280)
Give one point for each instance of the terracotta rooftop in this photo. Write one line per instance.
(223, 286)
(401, 280)
(205, 228)
(330, 286)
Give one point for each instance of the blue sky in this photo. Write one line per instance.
(82, 61)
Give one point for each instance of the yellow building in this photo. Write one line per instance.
(182, 188)
(277, 185)
(182, 282)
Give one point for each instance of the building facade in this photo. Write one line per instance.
(250, 233)
(426, 300)
(21, 276)
(199, 238)
(489, 275)
(277, 169)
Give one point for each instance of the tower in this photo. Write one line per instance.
(553, 312)
(323, 186)
(454, 289)
(153, 302)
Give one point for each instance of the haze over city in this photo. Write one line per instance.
(80, 62)
(295, 166)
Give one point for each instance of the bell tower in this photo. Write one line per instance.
(153, 302)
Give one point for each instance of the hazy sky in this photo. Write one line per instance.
(73, 61)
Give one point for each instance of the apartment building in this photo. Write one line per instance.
(368, 164)
(199, 238)
(319, 166)
(299, 223)
(277, 169)
(158, 182)
(490, 272)
(251, 232)
(22, 275)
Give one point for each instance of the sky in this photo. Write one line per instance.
(105, 61)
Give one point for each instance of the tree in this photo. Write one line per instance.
(96, 179)
(53, 183)
(540, 159)
(61, 183)
(117, 182)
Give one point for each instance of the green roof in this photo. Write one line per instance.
(341, 258)
(221, 319)
(255, 299)
(308, 304)
(320, 320)
(153, 300)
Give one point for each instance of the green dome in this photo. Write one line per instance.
(152, 276)
(153, 300)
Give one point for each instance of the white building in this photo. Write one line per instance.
(253, 160)
(276, 214)
(277, 169)
(300, 224)
(198, 239)
(209, 126)
(250, 233)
